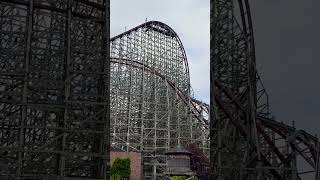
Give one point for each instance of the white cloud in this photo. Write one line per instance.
(189, 18)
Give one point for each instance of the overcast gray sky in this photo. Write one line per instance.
(287, 49)
(188, 18)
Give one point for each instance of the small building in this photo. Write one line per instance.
(178, 160)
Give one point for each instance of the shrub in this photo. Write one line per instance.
(179, 177)
(199, 162)
(120, 169)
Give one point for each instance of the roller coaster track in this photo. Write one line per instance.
(53, 97)
(150, 80)
(287, 132)
(195, 111)
(245, 142)
(262, 148)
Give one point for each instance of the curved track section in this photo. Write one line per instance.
(245, 142)
(151, 107)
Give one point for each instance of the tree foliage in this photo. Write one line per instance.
(120, 169)
(199, 162)
(179, 177)
(183, 178)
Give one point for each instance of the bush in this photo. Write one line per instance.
(199, 162)
(179, 177)
(120, 169)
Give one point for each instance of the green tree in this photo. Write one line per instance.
(120, 169)
(179, 177)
